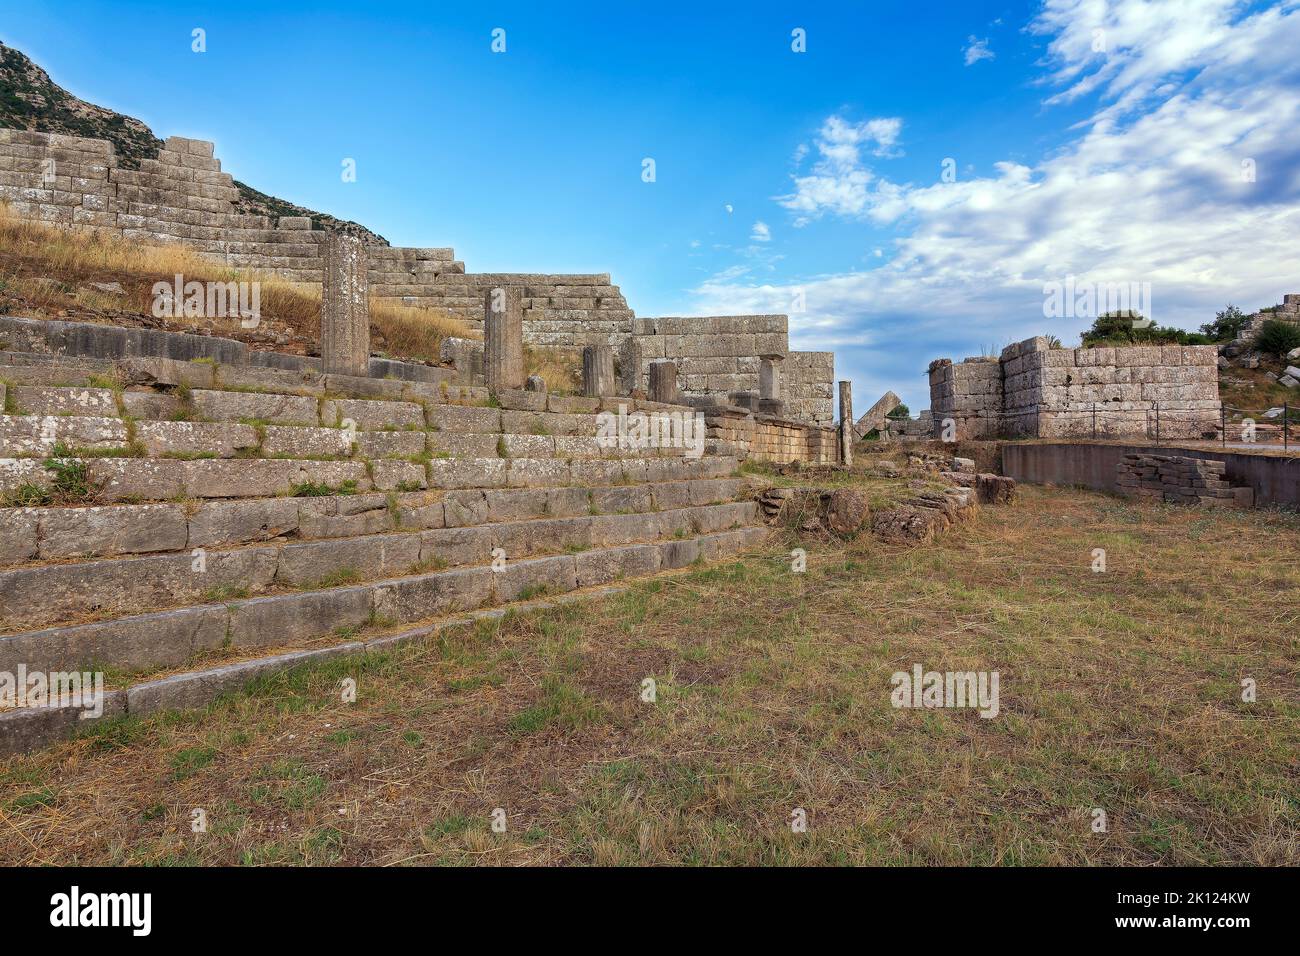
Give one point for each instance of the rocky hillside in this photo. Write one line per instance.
(29, 99)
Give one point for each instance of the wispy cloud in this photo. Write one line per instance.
(840, 182)
(761, 232)
(977, 50)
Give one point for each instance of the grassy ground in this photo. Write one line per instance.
(1119, 691)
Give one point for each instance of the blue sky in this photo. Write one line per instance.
(778, 174)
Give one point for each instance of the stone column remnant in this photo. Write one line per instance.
(598, 371)
(846, 423)
(503, 333)
(663, 382)
(769, 377)
(345, 306)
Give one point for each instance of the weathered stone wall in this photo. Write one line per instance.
(969, 393)
(764, 438)
(182, 195)
(1288, 312)
(1180, 480)
(1054, 393)
(718, 355)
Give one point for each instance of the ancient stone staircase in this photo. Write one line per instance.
(182, 526)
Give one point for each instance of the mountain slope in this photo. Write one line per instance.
(30, 100)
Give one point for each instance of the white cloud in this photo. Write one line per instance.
(1150, 189)
(977, 50)
(840, 183)
(761, 232)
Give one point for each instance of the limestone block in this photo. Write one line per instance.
(465, 507)
(389, 475)
(18, 534)
(455, 418)
(130, 529)
(338, 516)
(372, 415)
(293, 618)
(537, 472)
(51, 400)
(38, 435)
(374, 556)
(678, 554)
(219, 523)
(533, 577)
(467, 473)
(430, 595)
(295, 441)
(613, 564)
(223, 439)
(236, 406)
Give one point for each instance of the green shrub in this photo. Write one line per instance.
(1278, 338)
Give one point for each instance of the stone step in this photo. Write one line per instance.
(161, 639)
(172, 636)
(45, 594)
(78, 435)
(60, 534)
(109, 480)
(517, 411)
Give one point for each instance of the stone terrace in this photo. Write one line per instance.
(164, 518)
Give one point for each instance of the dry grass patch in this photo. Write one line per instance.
(1118, 690)
(46, 271)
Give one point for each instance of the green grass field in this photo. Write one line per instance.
(1119, 691)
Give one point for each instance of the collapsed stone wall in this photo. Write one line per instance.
(1036, 390)
(1288, 312)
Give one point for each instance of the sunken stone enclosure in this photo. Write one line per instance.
(182, 195)
(1035, 390)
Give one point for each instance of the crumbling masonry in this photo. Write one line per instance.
(1035, 390)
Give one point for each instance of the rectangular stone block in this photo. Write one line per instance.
(312, 563)
(467, 473)
(457, 418)
(431, 595)
(449, 547)
(389, 475)
(223, 439)
(162, 639)
(537, 472)
(219, 523)
(613, 564)
(255, 406)
(39, 435)
(125, 529)
(292, 618)
(535, 577)
(51, 400)
(372, 415)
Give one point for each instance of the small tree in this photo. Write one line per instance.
(900, 411)
(1228, 321)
